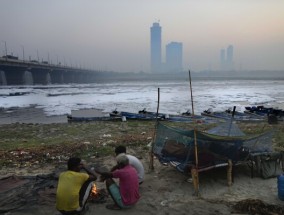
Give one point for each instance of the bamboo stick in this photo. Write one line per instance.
(195, 181)
(229, 173)
(151, 165)
(196, 178)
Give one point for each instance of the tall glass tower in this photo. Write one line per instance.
(156, 48)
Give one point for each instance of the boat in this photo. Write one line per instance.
(261, 110)
(165, 115)
(173, 118)
(149, 113)
(146, 115)
(114, 113)
(129, 115)
(71, 118)
(215, 114)
(228, 114)
(184, 117)
(187, 113)
(268, 112)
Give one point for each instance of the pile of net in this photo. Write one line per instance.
(257, 207)
(17, 191)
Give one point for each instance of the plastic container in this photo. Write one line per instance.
(280, 185)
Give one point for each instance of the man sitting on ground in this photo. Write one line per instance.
(74, 188)
(127, 193)
(133, 161)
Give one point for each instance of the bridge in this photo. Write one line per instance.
(19, 72)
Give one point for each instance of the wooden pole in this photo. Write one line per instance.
(232, 117)
(192, 107)
(195, 141)
(229, 172)
(195, 176)
(151, 165)
(158, 105)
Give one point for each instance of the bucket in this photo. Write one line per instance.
(280, 185)
(123, 118)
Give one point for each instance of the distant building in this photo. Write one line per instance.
(222, 59)
(227, 59)
(174, 57)
(230, 55)
(156, 48)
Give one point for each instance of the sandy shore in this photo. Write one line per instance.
(167, 191)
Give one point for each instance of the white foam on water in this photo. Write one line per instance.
(175, 96)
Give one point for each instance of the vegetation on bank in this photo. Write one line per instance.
(30, 144)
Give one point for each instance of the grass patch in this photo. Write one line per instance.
(52, 142)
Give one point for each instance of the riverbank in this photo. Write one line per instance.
(32, 150)
(36, 115)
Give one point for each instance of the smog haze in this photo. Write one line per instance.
(115, 35)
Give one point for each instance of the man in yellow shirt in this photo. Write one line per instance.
(74, 188)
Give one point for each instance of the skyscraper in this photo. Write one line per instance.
(174, 57)
(227, 58)
(230, 52)
(156, 48)
(222, 59)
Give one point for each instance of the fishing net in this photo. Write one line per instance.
(228, 128)
(178, 145)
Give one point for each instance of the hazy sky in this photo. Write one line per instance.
(115, 34)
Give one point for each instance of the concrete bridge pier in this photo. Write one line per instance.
(79, 77)
(91, 77)
(3, 80)
(28, 78)
(83, 77)
(56, 76)
(41, 76)
(69, 77)
(14, 74)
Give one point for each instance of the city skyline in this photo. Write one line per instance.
(114, 35)
(173, 53)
